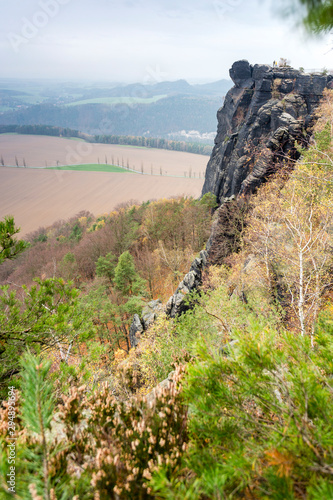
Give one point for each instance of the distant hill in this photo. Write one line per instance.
(178, 87)
(164, 109)
(214, 88)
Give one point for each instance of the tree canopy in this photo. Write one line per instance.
(315, 15)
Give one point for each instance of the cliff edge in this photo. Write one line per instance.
(266, 111)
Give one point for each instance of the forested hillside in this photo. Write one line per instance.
(138, 109)
(168, 115)
(243, 408)
(111, 265)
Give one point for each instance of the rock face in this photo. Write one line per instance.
(192, 280)
(266, 111)
(262, 116)
(175, 305)
(139, 325)
(136, 329)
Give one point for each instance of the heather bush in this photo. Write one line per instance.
(91, 446)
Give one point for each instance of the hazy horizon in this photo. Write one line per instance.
(148, 42)
(82, 82)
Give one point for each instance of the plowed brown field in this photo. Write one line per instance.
(39, 197)
(42, 151)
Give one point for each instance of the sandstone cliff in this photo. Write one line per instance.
(262, 116)
(266, 111)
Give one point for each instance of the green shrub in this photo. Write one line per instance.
(261, 421)
(217, 318)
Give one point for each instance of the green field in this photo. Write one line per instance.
(118, 100)
(91, 168)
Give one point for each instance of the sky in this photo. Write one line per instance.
(148, 41)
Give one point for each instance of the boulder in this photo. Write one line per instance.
(241, 74)
(149, 312)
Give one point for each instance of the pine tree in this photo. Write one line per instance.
(127, 280)
(316, 15)
(105, 266)
(37, 412)
(44, 316)
(9, 246)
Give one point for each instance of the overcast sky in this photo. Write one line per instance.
(148, 40)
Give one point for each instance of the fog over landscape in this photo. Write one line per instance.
(102, 68)
(148, 41)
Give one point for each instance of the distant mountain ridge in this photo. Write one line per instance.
(178, 87)
(179, 109)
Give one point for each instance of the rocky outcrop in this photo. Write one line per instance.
(139, 325)
(266, 111)
(177, 304)
(135, 331)
(262, 116)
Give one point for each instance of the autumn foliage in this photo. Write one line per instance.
(246, 412)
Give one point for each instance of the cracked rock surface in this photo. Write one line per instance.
(266, 111)
(139, 325)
